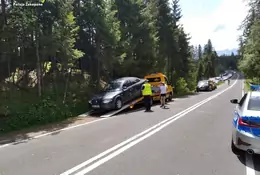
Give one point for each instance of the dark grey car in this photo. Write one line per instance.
(203, 85)
(117, 93)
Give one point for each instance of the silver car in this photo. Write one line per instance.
(246, 124)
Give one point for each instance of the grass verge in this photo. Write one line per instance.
(246, 85)
(220, 83)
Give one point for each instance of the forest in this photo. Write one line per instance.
(249, 47)
(54, 57)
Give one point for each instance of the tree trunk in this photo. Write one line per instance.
(3, 6)
(38, 64)
(97, 56)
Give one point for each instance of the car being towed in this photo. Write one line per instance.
(117, 93)
(206, 85)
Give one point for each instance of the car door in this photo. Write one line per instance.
(126, 91)
(131, 89)
(136, 88)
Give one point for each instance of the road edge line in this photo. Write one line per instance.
(250, 167)
(155, 127)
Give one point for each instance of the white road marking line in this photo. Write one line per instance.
(121, 144)
(250, 169)
(133, 140)
(50, 133)
(64, 129)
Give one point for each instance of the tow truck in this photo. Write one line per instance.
(155, 79)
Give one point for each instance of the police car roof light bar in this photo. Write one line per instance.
(254, 87)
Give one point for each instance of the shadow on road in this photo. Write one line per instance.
(188, 95)
(23, 136)
(140, 107)
(256, 159)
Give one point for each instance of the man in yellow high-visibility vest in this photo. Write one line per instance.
(147, 94)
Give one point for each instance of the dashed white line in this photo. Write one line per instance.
(125, 145)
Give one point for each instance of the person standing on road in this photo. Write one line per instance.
(163, 92)
(228, 81)
(147, 94)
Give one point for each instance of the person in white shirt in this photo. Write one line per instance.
(163, 91)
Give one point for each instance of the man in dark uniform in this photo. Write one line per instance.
(147, 94)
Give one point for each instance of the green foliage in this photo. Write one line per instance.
(53, 58)
(250, 42)
(23, 109)
(250, 64)
(220, 83)
(181, 86)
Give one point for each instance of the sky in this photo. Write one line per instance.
(217, 20)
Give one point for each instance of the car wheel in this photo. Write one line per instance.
(170, 97)
(118, 103)
(234, 149)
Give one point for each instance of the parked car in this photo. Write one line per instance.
(246, 124)
(117, 93)
(215, 79)
(206, 85)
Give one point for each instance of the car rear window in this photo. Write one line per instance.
(155, 79)
(254, 103)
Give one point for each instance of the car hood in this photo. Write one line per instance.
(200, 84)
(106, 95)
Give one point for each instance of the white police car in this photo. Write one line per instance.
(246, 123)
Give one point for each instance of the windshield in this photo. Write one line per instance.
(254, 104)
(155, 79)
(203, 82)
(113, 86)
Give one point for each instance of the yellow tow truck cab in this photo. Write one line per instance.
(155, 79)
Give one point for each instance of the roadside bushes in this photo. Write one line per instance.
(181, 87)
(22, 113)
(20, 110)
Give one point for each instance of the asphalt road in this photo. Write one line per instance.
(177, 141)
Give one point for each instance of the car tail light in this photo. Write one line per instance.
(242, 122)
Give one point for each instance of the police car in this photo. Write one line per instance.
(246, 123)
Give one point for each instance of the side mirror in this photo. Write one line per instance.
(124, 88)
(234, 101)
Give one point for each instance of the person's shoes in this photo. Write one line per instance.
(161, 106)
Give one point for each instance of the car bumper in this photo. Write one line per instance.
(103, 106)
(245, 141)
(202, 88)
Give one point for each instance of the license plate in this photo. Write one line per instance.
(95, 106)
